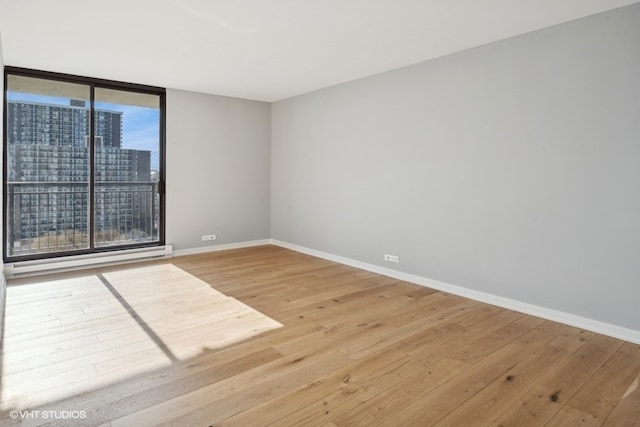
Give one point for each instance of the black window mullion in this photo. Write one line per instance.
(92, 155)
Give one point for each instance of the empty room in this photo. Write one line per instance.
(320, 213)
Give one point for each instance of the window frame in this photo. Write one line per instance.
(92, 83)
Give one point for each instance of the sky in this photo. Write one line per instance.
(141, 129)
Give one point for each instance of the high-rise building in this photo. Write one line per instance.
(51, 124)
(48, 175)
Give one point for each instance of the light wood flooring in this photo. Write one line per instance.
(267, 336)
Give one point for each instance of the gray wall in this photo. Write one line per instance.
(218, 169)
(512, 168)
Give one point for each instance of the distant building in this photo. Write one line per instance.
(39, 123)
(48, 174)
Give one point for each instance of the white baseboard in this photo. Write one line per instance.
(599, 327)
(223, 247)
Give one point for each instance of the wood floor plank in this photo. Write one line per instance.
(321, 412)
(481, 347)
(386, 337)
(98, 352)
(572, 339)
(427, 409)
(550, 394)
(452, 343)
(314, 391)
(385, 406)
(505, 390)
(606, 387)
(268, 336)
(627, 412)
(153, 388)
(568, 416)
(208, 405)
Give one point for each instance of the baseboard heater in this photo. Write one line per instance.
(51, 265)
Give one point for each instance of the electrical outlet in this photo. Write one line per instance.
(391, 258)
(209, 237)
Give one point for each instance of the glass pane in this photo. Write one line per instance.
(47, 166)
(127, 164)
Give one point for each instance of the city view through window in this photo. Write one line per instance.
(52, 204)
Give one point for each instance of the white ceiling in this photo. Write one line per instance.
(261, 49)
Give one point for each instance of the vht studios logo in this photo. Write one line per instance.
(48, 415)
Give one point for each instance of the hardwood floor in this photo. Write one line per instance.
(267, 336)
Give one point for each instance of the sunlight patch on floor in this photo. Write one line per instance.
(65, 337)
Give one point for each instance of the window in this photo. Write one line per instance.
(83, 165)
